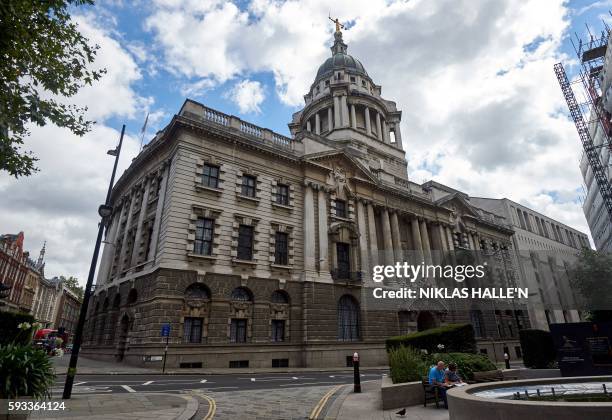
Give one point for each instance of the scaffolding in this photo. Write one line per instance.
(591, 75)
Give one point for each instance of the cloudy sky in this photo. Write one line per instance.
(482, 110)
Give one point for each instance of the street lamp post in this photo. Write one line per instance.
(105, 211)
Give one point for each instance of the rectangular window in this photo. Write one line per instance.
(192, 330)
(341, 208)
(344, 262)
(238, 331)
(203, 243)
(282, 194)
(278, 330)
(245, 242)
(520, 216)
(238, 364)
(248, 185)
(210, 176)
(280, 249)
(280, 363)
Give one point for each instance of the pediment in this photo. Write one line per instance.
(458, 204)
(341, 165)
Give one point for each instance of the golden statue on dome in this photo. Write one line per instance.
(337, 22)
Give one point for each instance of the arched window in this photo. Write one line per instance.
(241, 294)
(279, 296)
(197, 291)
(348, 319)
(132, 296)
(478, 323)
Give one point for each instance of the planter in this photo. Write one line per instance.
(401, 395)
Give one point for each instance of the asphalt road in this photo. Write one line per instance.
(86, 384)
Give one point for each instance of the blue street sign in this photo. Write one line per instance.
(165, 331)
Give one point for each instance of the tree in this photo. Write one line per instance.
(72, 283)
(591, 275)
(43, 58)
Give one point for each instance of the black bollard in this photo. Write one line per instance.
(356, 378)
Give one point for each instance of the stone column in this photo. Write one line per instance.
(353, 117)
(442, 236)
(363, 239)
(398, 134)
(126, 234)
(141, 219)
(471, 241)
(416, 240)
(317, 124)
(378, 127)
(323, 239)
(329, 119)
(367, 121)
(372, 234)
(396, 237)
(385, 131)
(309, 229)
(449, 237)
(159, 210)
(337, 122)
(345, 113)
(109, 247)
(387, 239)
(425, 241)
(308, 126)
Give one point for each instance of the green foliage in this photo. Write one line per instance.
(591, 275)
(407, 364)
(43, 58)
(73, 284)
(538, 349)
(454, 337)
(9, 331)
(467, 363)
(25, 372)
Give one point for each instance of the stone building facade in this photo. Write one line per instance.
(257, 249)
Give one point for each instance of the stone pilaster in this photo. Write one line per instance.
(323, 239)
(363, 241)
(353, 117)
(378, 127)
(337, 122)
(141, 218)
(159, 210)
(124, 241)
(309, 229)
(396, 237)
(387, 239)
(372, 235)
(345, 112)
(367, 121)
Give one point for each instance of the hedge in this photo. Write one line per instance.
(538, 349)
(9, 330)
(407, 364)
(454, 337)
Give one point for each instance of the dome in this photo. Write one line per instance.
(340, 61)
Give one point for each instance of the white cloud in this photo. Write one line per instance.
(59, 203)
(248, 95)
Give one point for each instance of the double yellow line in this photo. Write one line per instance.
(316, 411)
(212, 407)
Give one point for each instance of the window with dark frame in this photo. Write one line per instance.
(238, 330)
(203, 243)
(348, 319)
(282, 194)
(248, 185)
(343, 257)
(192, 330)
(245, 242)
(278, 330)
(341, 208)
(210, 176)
(281, 247)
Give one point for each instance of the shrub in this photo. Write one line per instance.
(454, 337)
(407, 364)
(467, 363)
(8, 327)
(538, 349)
(25, 371)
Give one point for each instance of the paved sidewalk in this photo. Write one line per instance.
(368, 406)
(87, 366)
(124, 406)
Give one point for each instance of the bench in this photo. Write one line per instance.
(491, 376)
(430, 393)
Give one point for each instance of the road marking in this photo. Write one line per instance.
(252, 379)
(314, 414)
(128, 388)
(148, 382)
(332, 376)
(295, 377)
(79, 383)
(212, 407)
(310, 383)
(203, 381)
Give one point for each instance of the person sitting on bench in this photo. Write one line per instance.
(437, 379)
(451, 376)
